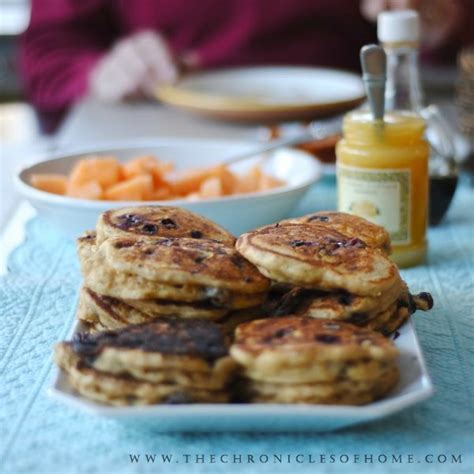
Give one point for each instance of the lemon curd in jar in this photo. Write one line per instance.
(382, 175)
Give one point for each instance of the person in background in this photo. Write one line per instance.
(115, 49)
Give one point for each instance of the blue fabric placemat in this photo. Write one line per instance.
(39, 435)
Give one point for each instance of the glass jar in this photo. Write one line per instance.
(382, 175)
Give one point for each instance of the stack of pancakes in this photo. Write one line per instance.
(152, 262)
(165, 361)
(305, 360)
(164, 289)
(332, 265)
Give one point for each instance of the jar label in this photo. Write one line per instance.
(381, 196)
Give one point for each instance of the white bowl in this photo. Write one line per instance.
(238, 213)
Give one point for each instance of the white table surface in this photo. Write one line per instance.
(91, 121)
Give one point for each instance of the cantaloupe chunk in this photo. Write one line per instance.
(249, 182)
(210, 188)
(161, 194)
(147, 165)
(88, 190)
(268, 182)
(139, 165)
(159, 171)
(193, 197)
(50, 182)
(137, 188)
(227, 178)
(184, 182)
(105, 170)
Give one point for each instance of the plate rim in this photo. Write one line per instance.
(180, 96)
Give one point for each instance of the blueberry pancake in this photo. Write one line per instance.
(388, 321)
(296, 359)
(294, 341)
(104, 312)
(105, 280)
(124, 390)
(323, 371)
(159, 221)
(338, 305)
(318, 257)
(205, 309)
(113, 313)
(217, 300)
(396, 320)
(150, 363)
(348, 225)
(196, 345)
(84, 312)
(182, 261)
(229, 322)
(347, 392)
(86, 245)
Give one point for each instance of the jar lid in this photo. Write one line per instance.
(398, 26)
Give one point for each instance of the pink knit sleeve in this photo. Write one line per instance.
(62, 43)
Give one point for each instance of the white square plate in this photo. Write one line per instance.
(415, 385)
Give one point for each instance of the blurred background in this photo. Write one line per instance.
(14, 18)
(81, 52)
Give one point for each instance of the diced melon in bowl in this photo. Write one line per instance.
(186, 182)
(105, 170)
(87, 190)
(145, 177)
(159, 173)
(139, 165)
(50, 182)
(147, 164)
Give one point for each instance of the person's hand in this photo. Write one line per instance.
(439, 18)
(135, 66)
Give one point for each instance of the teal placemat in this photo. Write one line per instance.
(38, 435)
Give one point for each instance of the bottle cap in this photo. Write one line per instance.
(398, 26)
